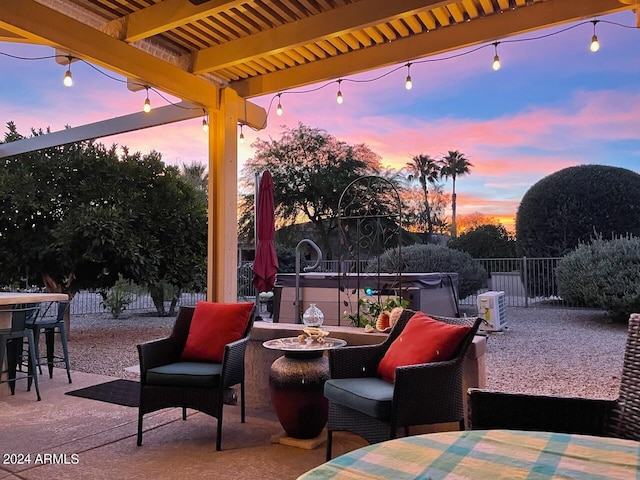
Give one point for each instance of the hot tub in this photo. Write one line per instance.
(434, 293)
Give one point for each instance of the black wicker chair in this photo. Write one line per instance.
(613, 418)
(422, 394)
(203, 390)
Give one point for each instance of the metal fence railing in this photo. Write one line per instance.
(525, 281)
(245, 281)
(87, 302)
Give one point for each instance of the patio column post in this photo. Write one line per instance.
(222, 243)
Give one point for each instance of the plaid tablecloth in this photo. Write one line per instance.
(488, 454)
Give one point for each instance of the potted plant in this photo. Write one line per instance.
(369, 313)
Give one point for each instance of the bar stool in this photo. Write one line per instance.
(50, 326)
(12, 344)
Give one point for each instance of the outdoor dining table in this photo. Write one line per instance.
(487, 454)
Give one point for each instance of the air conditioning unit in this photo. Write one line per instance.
(491, 307)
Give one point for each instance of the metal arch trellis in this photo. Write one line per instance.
(369, 223)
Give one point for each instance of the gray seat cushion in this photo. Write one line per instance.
(371, 396)
(186, 374)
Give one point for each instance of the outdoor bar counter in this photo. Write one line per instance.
(9, 300)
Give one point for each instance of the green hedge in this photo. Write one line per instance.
(574, 204)
(603, 274)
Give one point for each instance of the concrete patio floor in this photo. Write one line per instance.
(103, 438)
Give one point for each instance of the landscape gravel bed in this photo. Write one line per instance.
(542, 350)
(557, 351)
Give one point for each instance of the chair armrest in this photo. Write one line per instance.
(233, 362)
(156, 353)
(355, 362)
(429, 393)
(517, 411)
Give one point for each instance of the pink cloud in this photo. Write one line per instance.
(510, 149)
(180, 143)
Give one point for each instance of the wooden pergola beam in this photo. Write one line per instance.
(24, 18)
(336, 22)
(475, 32)
(114, 126)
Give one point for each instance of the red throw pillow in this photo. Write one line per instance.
(213, 326)
(423, 340)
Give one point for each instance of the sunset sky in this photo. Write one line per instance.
(553, 104)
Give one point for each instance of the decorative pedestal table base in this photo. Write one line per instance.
(296, 383)
(297, 393)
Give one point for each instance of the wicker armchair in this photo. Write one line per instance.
(613, 418)
(204, 385)
(422, 394)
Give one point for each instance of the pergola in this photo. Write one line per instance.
(217, 54)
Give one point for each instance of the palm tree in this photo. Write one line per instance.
(424, 169)
(196, 175)
(454, 164)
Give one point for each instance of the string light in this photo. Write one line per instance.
(408, 84)
(496, 59)
(205, 124)
(496, 65)
(147, 103)
(241, 137)
(68, 79)
(595, 44)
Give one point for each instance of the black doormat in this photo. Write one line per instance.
(121, 392)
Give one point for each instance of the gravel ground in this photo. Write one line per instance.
(101, 344)
(543, 350)
(557, 351)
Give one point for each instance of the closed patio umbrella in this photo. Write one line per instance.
(265, 265)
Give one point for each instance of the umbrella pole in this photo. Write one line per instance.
(255, 238)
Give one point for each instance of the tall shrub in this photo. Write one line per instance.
(571, 206)
(603, 274)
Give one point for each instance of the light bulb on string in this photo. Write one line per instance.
(205, 124)
(595, 44)
(68, 79)
(339, 98)
(496, 59)
(408, 84)
(279, 108)
(147, 103)
(241, 137)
